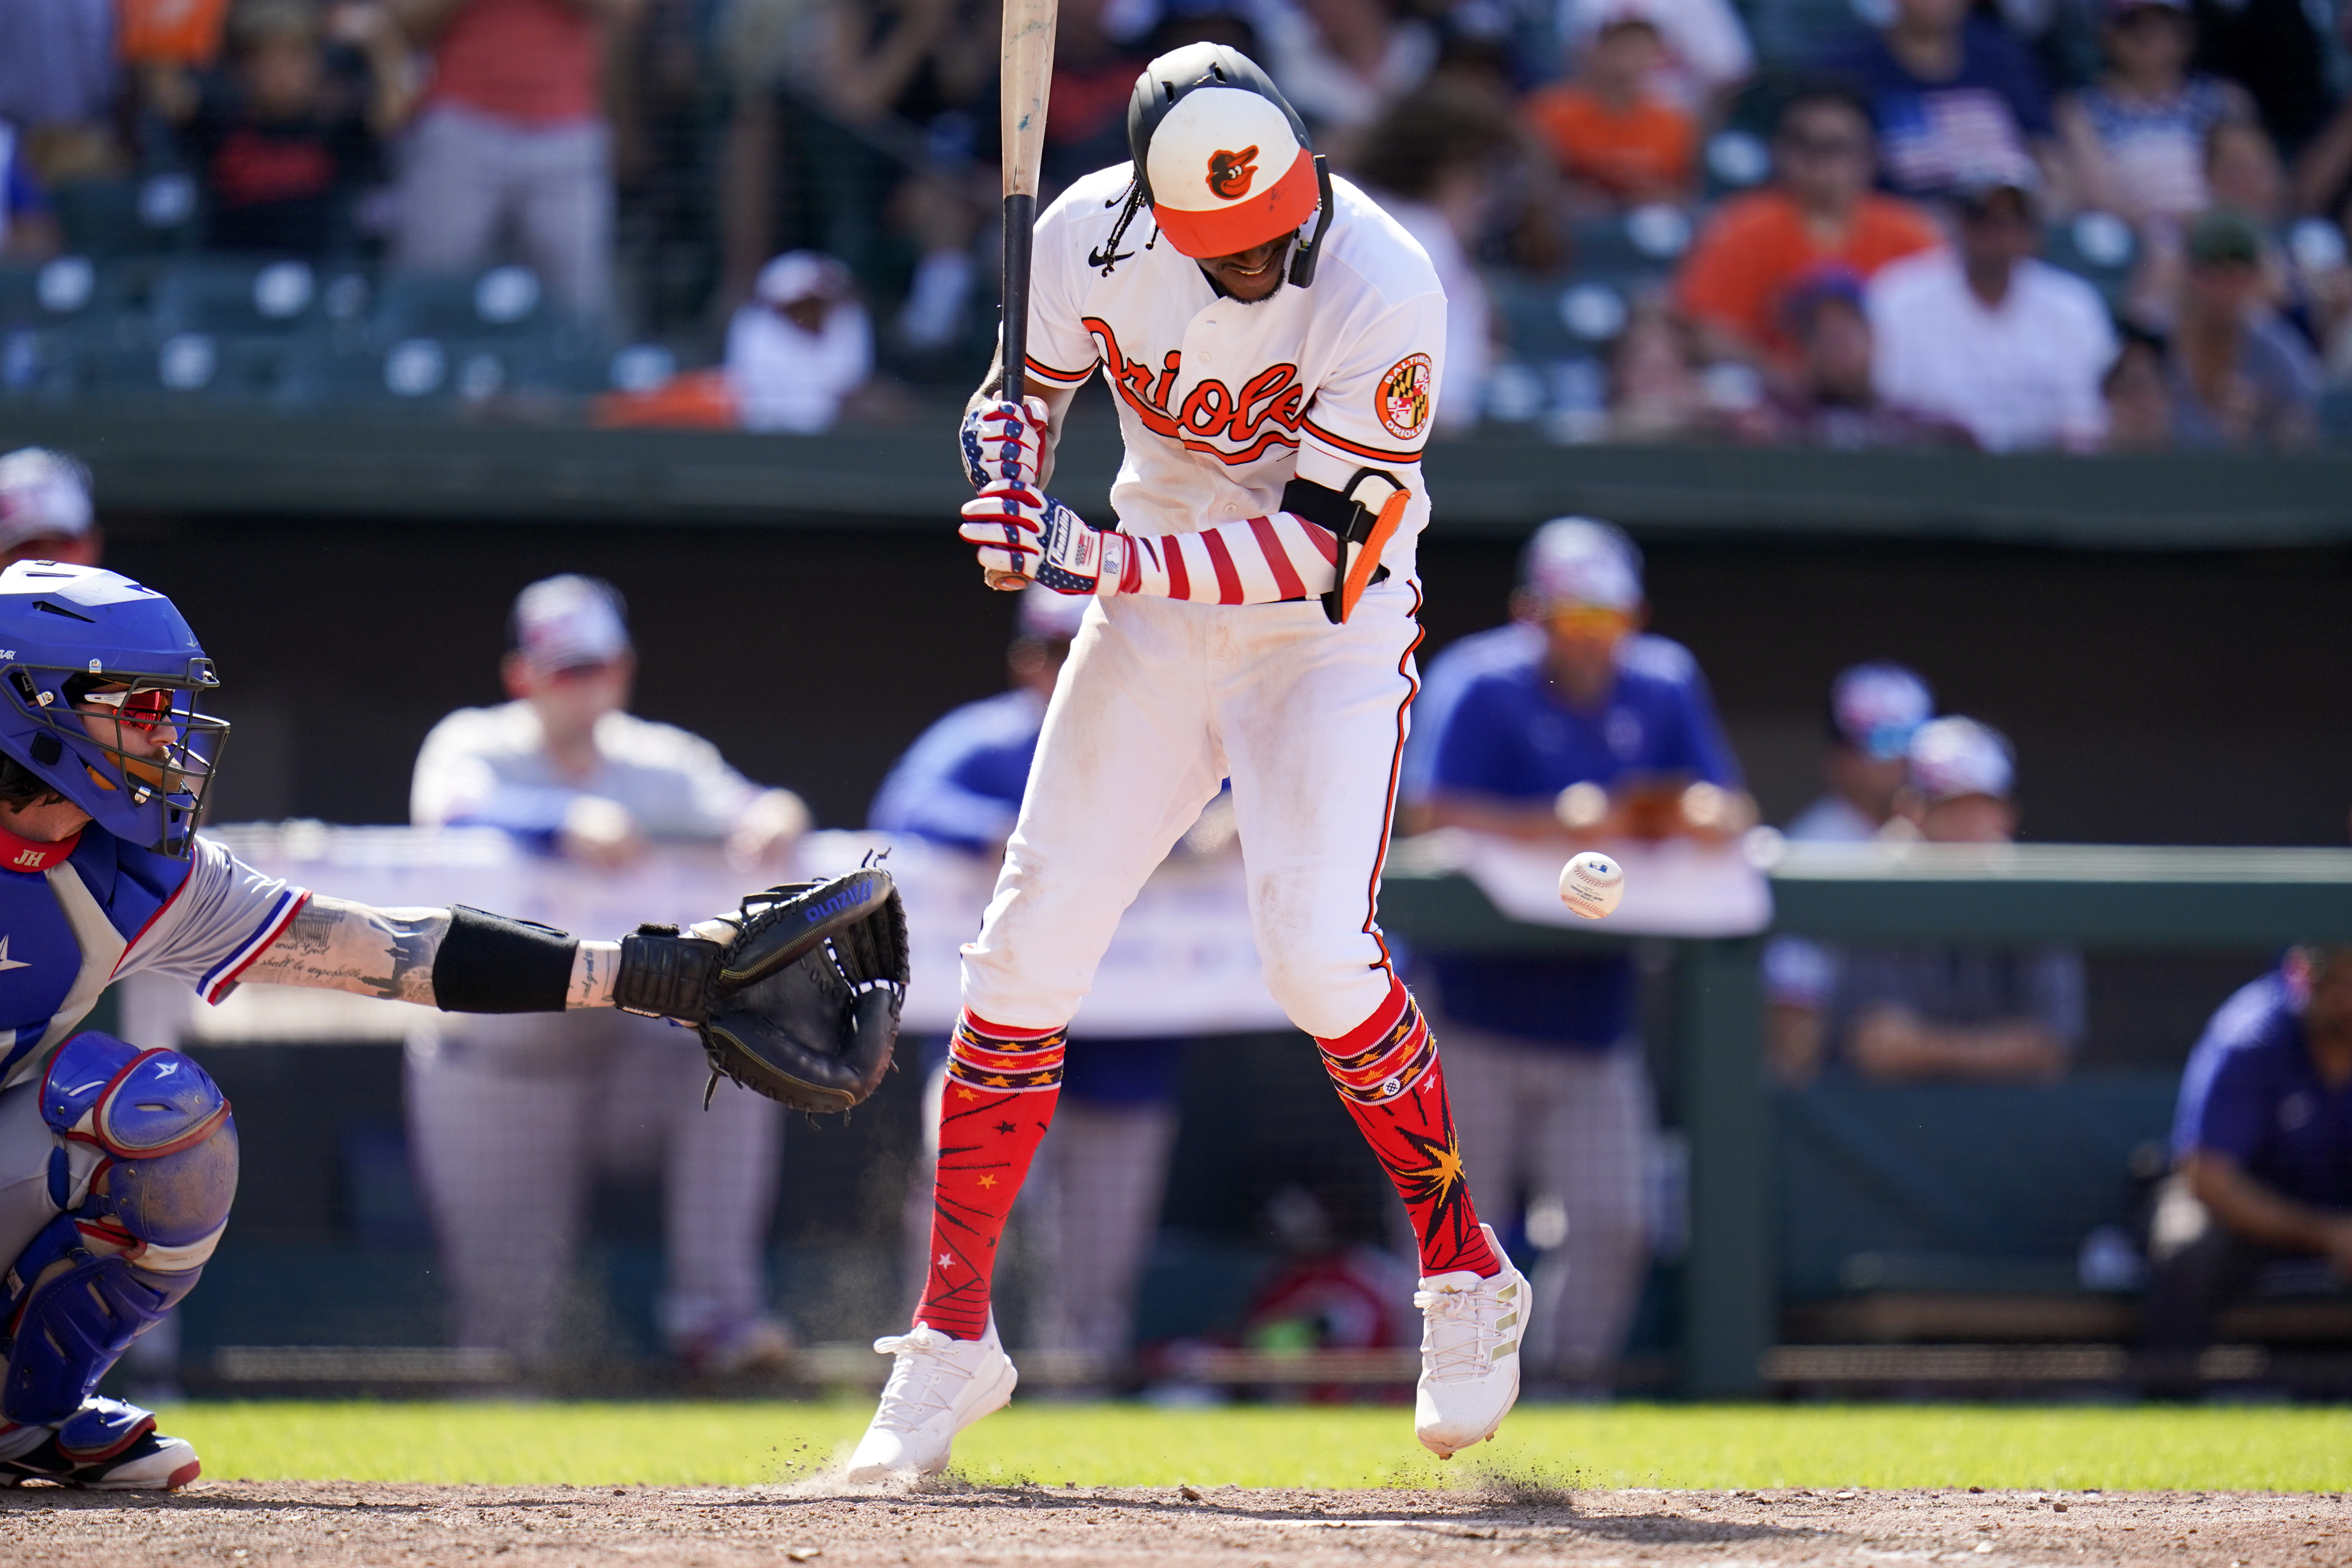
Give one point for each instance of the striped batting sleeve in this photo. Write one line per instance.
(1258, 561)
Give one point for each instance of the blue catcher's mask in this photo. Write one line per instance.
(99, 680)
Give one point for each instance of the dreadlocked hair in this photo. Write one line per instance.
(1129, 203)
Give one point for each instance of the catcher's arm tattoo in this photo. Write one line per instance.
(337, 945)
(593, 970)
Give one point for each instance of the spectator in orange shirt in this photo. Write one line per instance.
(1820, 211)
(1613, 138)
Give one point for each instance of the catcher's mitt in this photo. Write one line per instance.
(801, 999)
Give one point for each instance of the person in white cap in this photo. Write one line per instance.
(1875, 710)
(1576, 730)
(800, 347)
(45, 511)
(1907, 1014)
(510, 1116)
(1276, 348)
(1105, 1165)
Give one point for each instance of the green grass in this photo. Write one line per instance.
(2262, 1449)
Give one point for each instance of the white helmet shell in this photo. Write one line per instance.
(1225, 161)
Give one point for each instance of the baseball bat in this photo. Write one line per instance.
(1027, 62)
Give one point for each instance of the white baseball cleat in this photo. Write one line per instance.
(1469, 1354)
(939, 1386)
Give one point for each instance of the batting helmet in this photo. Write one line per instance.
(1221, 157)
(101, 678)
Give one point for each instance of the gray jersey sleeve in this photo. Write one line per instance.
(224, 917)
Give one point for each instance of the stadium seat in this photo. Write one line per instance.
(182, 367)
(503, 302)
(52, 316)
(151, 216)
(2098, 246)
(2335, 416)
(1643, 245)
(244, 296)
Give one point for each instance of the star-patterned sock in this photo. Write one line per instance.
(1387, 1073)
(1001, 1090)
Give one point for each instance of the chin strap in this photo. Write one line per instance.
(1302, 266)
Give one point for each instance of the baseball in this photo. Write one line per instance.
(1590, 885)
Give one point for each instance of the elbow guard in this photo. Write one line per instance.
(489, 963)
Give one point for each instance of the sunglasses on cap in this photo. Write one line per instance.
(1588, 620)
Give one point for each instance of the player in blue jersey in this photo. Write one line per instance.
(1566, 729)
(116, 1164)
(1106, 1161)
(2262, 1145)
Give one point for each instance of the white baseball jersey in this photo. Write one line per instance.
(490, 766)
(1221, 402)
(1166, 696)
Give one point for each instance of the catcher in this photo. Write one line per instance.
(118, 1165)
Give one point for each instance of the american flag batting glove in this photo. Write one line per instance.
(1080, 557)
(1004, 442)
(1007, 522)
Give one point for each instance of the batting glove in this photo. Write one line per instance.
(1029, 534)
(1004, 442)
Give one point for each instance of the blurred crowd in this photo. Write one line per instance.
(2080, 225)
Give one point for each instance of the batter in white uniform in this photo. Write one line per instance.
(1277, 344)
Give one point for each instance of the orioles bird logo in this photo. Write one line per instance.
(1230, 174)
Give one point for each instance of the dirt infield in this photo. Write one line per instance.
(261, 1522)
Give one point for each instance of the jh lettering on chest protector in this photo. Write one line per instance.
(1234, 427)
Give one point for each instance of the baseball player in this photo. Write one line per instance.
(1276, 343)
(116, 1164)
(512, 1115)
(1589, 716)
(45, 511)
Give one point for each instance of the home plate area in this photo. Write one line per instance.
(1499, 1517)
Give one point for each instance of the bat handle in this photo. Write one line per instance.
(1019, 228)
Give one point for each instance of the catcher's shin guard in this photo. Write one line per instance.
(153, 1208)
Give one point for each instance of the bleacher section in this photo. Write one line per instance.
(135, 315)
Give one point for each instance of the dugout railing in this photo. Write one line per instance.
(2101, 899)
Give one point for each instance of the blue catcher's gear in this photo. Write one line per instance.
(100, 678)
(151, 1209)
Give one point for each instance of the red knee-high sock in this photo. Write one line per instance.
(1001, 1088)
(1387, 1073)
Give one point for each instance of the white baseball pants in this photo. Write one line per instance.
(1160, 701)
(510, 1118)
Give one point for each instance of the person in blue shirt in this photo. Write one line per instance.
(1935, 1012)
(2262, 1147)
(1956, 98)
(1569, 729)
(1105, 1163)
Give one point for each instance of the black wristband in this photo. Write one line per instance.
(489, 963)
(665, 974)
